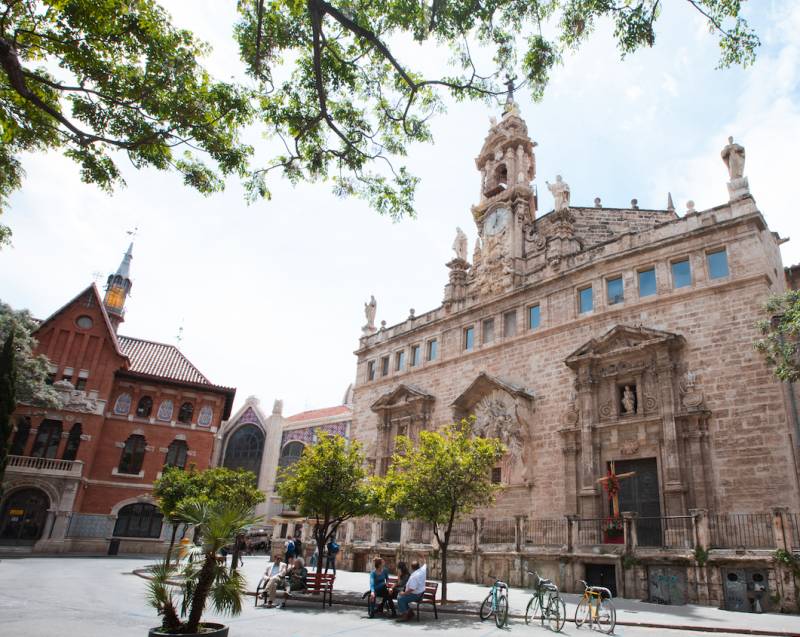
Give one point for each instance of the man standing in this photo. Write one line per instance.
(415, 589)
(333, 550)
(290, 550)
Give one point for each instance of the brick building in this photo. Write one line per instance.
(591, 340)
(80, 477)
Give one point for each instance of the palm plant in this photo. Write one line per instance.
(200, 576)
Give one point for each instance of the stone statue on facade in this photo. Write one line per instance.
(277, 407)
(560, 192)
(369, 311)
(628, 400)
(460, 244)
(476, 253)
(733, 156)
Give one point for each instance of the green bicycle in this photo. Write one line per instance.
(546, 604)
(496, 603)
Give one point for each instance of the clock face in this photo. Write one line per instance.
(496, 221)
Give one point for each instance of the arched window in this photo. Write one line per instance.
(23, 516)
(290, 454)
(244, 449)
(144, 407)
(176, 454)
(73, 442)
(20, 440)
(123, 404)
(138, 520)
(47, 439)
(165, 410)
(185, 413)
(132, 455)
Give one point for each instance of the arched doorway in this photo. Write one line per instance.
(23, 516)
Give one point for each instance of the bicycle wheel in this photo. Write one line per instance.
(557, 613)
(534, 610)
(501, 614)
(486, 608)
(583, 613)
(606, 617)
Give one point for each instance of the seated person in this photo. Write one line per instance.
(377, 586)
(415, 589)
(402, 578)
(274, 575)
(296, 579)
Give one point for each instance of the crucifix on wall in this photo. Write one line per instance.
(610, 483)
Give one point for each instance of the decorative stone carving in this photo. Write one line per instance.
(606, 409)
(573, 416)
(628, 401)
(691, 397)
(460, 244)
(77, 400)
(629, 447)
(650, 403)
(369, 311)
(560, 192)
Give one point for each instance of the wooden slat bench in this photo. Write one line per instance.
(428, 597)
(322, 587)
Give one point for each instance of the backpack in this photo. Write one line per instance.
(333, 547)
(290, 547)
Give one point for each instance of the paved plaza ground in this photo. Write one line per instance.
(93, 597)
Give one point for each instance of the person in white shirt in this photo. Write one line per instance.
(415, 589)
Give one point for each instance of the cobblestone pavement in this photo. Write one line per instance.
(90, 597)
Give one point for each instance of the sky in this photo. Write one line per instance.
(270, 296)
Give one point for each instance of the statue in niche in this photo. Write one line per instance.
(460, 244)
(733, 156)
(369, 311)
(476, 254)
(628, 400)
(495, 419)
(560, 192)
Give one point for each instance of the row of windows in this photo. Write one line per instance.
(681, 275)
(144, 409)
(414, 358)
(69, 374)
(47, 440)
(488, 334)
(132, 456)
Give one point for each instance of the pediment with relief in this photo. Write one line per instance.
(623, 339)
(401, 395)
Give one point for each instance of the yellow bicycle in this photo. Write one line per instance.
(595, 608)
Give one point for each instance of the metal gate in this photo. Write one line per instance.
(746, 590)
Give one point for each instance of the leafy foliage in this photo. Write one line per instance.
(8, 401)
(333, 86)
(446, 475)
(201, 577)
(780, 342)
(31, 370)
(328, 484)
(89, 78)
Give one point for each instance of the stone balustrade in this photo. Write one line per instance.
(45, 466)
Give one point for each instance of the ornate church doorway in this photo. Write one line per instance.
(23, 517)
(640, 494)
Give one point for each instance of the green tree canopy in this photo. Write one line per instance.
(8, 401)
(31, 370)
(444, 476)
(328, 485)
(780, 341)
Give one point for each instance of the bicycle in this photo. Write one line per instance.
(547, 601)
(595, 607)
(496, 603)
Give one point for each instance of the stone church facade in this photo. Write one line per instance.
(594, 339)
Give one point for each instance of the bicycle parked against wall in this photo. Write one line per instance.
(496, 603)
(546, 604)
(596, 608)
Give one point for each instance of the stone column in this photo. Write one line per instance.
(519, 531)
(375, 534)
(780, 528)
(701, 532)
(630, 531)
(405, 529)
(588, 411)
(674, 489)
(572, 533)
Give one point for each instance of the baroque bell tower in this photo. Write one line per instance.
(507, 166)
(118, 287)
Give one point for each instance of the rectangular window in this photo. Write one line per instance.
(416, 355)
(717, 264)
(469, 338)
(510, 323)
(385, 366)
(585, 300)
(400, 361)
(497, 475)
(80, 384)
(534, 317)
(371, 370)
(647, 282)
(681, 273)
(488, 330)
(433, 349)
(615, 290)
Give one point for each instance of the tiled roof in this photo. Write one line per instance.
(314, 414)
(159, 359)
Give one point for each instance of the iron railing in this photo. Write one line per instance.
(463, 533)
(390, 530)
(419, 532)
(793, 532)
(741, 530)
(499, 531)
(671, 532)
(545, 532)
(362, 530)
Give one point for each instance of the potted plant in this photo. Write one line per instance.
(614, 532)
(198, 574)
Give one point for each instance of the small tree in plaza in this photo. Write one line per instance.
(328, 485)
(176, 487)
(445, 475)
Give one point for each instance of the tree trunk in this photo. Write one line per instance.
(204, 582)
(171, 543)
(444, 572)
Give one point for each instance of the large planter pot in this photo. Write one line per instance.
(208, 630)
